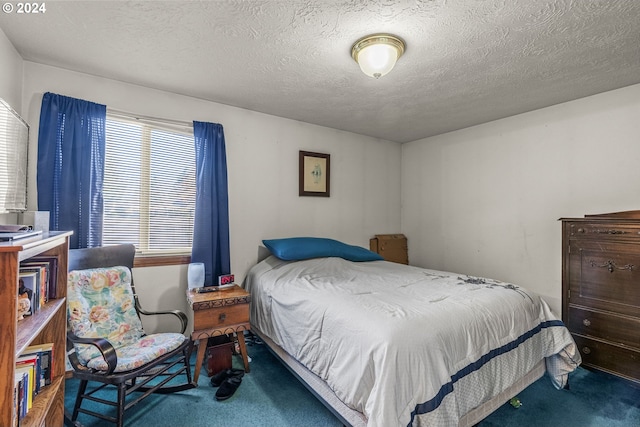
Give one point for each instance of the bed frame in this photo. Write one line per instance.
(353, 418)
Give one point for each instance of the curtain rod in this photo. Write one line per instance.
(129, 115)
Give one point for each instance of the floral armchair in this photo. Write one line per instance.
(105, 339)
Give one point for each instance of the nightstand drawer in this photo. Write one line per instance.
(221, 317)
(617, 329)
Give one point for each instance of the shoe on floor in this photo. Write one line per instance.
(228, 387)
(219, 378)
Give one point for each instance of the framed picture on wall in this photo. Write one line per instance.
(315, 174)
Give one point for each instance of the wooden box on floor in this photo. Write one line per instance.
(219, 352)
(392, 247)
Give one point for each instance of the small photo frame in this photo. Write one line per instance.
(315, 174)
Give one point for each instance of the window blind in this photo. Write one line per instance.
(14, 141)
(149, 184)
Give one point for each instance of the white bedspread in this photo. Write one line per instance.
(405, 345)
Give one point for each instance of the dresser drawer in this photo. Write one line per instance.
(617, 329)
(610, 358)
(605, 276)
(605, 230)
(221, 317)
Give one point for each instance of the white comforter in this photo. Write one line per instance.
(405, 345)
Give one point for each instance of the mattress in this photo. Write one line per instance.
(403, 345)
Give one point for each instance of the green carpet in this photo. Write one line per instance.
(271, 396)
(594, 399)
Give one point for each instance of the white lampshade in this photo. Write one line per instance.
(195, 275)
(377, 54)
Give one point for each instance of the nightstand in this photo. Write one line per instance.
(221, 312)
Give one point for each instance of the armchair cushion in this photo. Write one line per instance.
(100, 305)
(141, 352)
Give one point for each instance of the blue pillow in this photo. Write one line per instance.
(299, 248)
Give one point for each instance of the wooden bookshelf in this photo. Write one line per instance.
(49, 324)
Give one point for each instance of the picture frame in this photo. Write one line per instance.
(314, 174)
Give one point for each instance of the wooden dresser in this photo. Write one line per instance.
(601, 290)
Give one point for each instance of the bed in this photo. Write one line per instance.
(386, 344)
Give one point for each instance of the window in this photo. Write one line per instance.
(149, 184)
(14, 138)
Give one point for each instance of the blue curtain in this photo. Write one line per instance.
(211, 222)
(71, 146)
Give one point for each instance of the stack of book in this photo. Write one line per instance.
(38, 280)
(34, 371)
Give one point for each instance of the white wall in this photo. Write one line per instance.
(10, 74)
(486, 200)
(262, 157)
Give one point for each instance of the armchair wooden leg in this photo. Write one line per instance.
(69, 422)
(122, 393)
(187, 363)
(82, 388)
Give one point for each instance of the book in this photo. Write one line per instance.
(45, 354)
(17, 397)
(20, 393)
(52, 261)
(42, 281)
(24, 389)
(32, 361)
(29, 280)
(28, 387)
(43, 267)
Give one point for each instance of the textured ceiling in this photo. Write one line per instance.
(467, 61)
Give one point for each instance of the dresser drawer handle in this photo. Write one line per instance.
(222, 317)
(580, 230)
(611, 266)
(586, 322)
(586, 350)
(610, 231)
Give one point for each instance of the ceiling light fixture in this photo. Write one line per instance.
(377, 54)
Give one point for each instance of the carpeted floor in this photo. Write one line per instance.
(268, 396)
(595, 399)
(271, 396)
